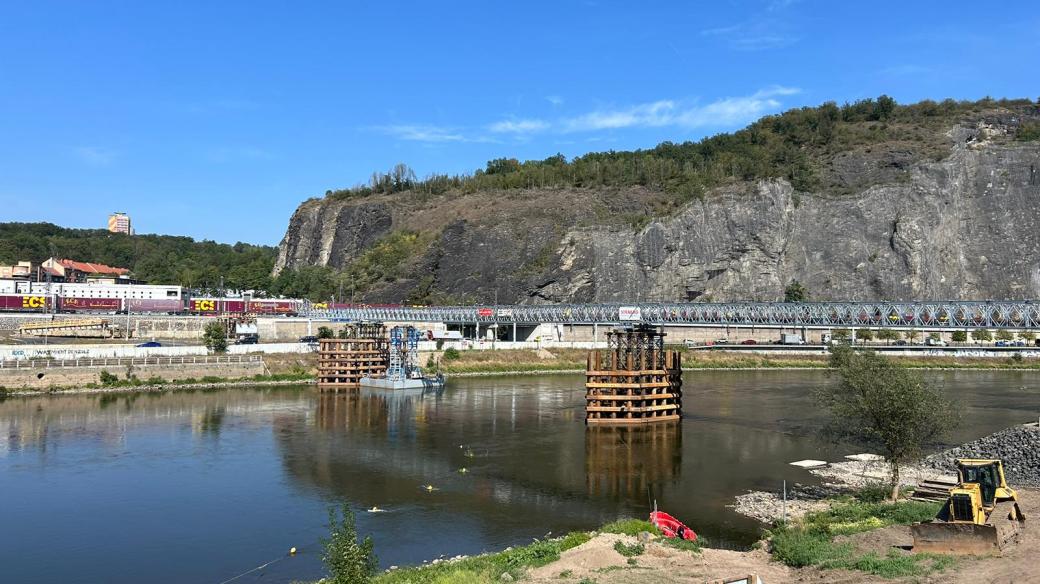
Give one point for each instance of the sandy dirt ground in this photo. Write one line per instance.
(598, 561)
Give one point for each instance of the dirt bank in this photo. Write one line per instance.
(599, 561)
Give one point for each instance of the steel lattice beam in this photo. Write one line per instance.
(924, 315)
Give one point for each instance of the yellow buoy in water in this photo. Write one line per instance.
(292, 551)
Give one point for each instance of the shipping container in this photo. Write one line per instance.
(273, 306)
(74, 304)
(216, 306)
(172, 305)
(24, 303)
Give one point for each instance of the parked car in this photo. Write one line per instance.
(150, 344)
(721, 341)
(1019, 343)
(248, 340)
(901, 342)
(309, 339)
(1001, 344)
(749, 342)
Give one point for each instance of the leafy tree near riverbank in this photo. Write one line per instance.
(214, 336)
(884, 406)
(348, 560)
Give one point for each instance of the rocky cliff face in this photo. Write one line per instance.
(967, 226)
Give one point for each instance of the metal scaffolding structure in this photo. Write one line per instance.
(926, 315)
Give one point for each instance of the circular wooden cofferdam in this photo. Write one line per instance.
(635, 380)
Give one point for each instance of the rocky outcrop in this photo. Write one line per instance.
(967, 226)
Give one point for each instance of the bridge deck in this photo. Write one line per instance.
(925, 315)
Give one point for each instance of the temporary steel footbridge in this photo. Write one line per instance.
(950, 314)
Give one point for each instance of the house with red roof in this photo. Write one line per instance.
(71, 271)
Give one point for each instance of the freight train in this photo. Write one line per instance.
(122, 298)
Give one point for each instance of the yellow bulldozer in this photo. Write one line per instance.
(980, 516)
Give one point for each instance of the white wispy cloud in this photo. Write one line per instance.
(678, 113)
(422, 133)
(556, 100)
(518, 126)
(722, 112)
(94, 155)
(771, 29)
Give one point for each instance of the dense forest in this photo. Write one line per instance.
(157, 259)
(795, 145)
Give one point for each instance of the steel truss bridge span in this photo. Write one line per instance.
(925, 315)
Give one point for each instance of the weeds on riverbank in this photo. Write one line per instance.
(110, 381)
(488, 567)
(811, 541)
(348, 559)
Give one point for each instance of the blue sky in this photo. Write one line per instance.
(216, 119)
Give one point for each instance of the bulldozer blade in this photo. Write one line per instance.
(957, 538)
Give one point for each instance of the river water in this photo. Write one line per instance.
(202, 486)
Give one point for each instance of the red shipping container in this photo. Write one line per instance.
(216, 305)
(24, 303)
(67, 303)
(155, 305)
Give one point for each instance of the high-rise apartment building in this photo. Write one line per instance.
(119, 223)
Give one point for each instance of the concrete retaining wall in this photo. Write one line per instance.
(79, 376)
(18, 352)
(294, 348)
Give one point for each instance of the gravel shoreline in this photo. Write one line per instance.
(1018, 447)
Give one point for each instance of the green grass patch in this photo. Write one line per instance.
(629, 550)
(693, 547)
(629, 526)
(488, 567)
(810, 542)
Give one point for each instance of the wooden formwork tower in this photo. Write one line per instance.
(360, 351)
(634, 381)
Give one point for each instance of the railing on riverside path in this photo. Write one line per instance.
(126, 361)
(947, 314)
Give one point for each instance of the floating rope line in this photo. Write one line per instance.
(260, 567)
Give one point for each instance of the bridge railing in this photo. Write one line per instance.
(925, 315)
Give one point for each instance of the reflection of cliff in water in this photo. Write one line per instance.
(379, 448)
(632, 462)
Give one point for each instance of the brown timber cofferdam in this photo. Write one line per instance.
(634, 381)
(361, 351)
